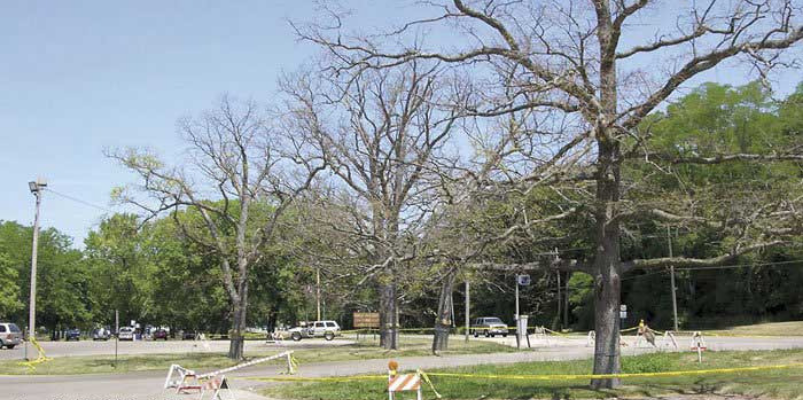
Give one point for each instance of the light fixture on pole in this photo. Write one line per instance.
(36, 189)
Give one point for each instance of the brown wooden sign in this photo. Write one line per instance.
(366, 320)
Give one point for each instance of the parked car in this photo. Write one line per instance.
(489, 326)
(160, 334)
(73, 334)
(126, 333)
(325, 329)
(10, 335)
(101, 334)
(189, 335)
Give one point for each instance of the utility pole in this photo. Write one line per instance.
(318, 290)
(672, 271)
(518, 325)
(116, 334)
(468, 309)
(36, 189)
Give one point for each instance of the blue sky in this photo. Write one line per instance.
(80, 76)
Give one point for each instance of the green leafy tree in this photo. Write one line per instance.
(9, 289)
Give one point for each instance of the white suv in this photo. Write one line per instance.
(325, 329)
(10, 335)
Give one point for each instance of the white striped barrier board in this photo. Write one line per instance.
(285, 354)
(184, 379)
(404, 383)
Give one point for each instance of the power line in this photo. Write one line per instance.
(77, 200)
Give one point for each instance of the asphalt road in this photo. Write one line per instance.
(92, 348)
(148, 385)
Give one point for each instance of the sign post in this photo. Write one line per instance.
(622, 316)
(116, 334)
(521, 280)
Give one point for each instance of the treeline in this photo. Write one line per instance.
(155, 271)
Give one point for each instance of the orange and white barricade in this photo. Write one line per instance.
(403, 382)
(186, 380)
(216, 386)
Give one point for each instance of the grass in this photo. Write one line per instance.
(365, 349)
(792, 328)
(779, 384)
(125, 363)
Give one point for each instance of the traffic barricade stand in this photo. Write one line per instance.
(184, 379)
(275, 337)
(216, 385)
(669, 338)
(407, 382)
(698, 345)
(402, 383)
(540, 332)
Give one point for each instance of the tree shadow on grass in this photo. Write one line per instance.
(665, 390)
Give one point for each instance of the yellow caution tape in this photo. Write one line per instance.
(429, 382)
(42, 357)
(319, 379)
(630, 375)
(543, 377)
(561, 333)
(743, 335)
(292, 366)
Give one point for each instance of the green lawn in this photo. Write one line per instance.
(365, 349)
(780, 384)
(792, 328)
(106, 364)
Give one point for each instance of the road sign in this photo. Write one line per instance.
(366, 320)
(523, 280)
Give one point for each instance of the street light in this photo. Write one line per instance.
(36, 189)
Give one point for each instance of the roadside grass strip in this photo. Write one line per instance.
(361, 350)
(546, 377)
(773, 374)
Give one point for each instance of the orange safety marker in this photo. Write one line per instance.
(402, 383)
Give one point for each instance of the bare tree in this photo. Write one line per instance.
(382, 135)
(588, 78)
(241, 177)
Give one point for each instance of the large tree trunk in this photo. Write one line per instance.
(607, 267)
(389, 316)
(443, 322)
(240, 310)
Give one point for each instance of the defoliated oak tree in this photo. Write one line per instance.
(580, 77)
(240, 168)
